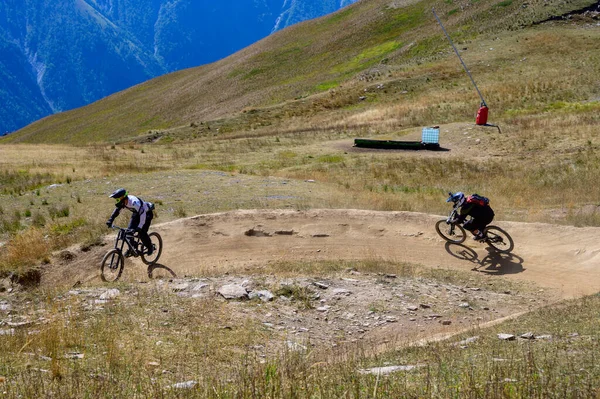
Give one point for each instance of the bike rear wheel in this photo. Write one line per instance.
(112, 266)
(453, 233)
(499, 239)
(156, 240)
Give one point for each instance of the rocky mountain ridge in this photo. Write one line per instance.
(57, 56)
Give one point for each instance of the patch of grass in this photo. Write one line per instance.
(302, 295)
(495, 368)
(24, 251)
(10, 224)
(180, 212)
(326, 86)
(68, 227)
(252, 73)
(339, 16)
(367, 57)
(331, 158)
(504, 3)
(58, 212)
(113, 348)
(223, 353)
(16, 182)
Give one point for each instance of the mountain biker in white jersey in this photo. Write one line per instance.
(141, 218)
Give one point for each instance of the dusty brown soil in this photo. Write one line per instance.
(236, 247)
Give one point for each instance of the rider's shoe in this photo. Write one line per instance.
(479, 237)
(149, 251)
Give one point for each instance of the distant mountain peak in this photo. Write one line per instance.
(76, 52)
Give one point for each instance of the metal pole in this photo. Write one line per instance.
(461, 61)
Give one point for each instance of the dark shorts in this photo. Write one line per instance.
(479, 222)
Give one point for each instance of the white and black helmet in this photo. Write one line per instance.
(119, 194)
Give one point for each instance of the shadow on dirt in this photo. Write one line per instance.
(159, 271)
(493, 263)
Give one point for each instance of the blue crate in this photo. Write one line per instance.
(430, 135)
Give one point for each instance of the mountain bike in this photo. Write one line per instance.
(450, 230)
(114, 260)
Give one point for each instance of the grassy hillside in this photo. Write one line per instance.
(272, 127)
(372, 42)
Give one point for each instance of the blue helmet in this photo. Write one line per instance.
(458, 198)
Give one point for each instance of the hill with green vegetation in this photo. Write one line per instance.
(321, 68)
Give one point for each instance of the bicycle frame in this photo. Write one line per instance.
(124, 237)
(451, 219)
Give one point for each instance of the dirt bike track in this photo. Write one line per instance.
(563, 258)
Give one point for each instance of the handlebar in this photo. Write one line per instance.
(127, 231)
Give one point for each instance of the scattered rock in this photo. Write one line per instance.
(388, 369)
(446, 322)
(341, 291)
(506, 337)
(18, 324)
(321, 285)
(110, 294)
(199, 287)
(180, 287)
(263, 295)
(295, 346)
(184, 385)
(527, 335)
(285, 232)
(469, 340)
(233, 291)
(257, 233)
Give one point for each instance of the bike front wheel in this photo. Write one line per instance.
(453, 233)
(499, 239)
(157, 249)
(112, 266)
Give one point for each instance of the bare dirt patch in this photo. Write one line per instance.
(317, 306)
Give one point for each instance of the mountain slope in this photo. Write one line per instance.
(81, 51)
(21, 99)
(342, 51)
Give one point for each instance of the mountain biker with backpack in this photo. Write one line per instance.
(476, 206)
(141, 218)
